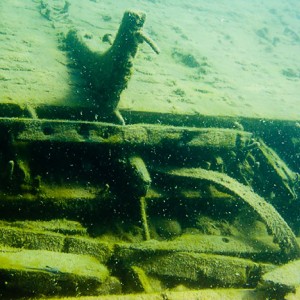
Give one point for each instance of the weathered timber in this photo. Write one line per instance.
(198, 243)
(27, 130)
(205, 270)
(216, 294)
(54, 202)
(63, 226)
(194, 269)
(283, 235)
(35, 239)
(138, 179)
(39, 272)
(283, 279)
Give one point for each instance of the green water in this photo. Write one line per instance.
(166, 163)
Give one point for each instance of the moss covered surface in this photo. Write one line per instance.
(197, 243)
(36, 239)
(206, 270)
(283, 279)
(37, 272)
(205, 294)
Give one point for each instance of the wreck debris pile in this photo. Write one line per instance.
(166, 216)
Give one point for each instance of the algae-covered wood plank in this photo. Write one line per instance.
(145, 135)
(197, 243)
(216, 294)
(283, 279)
(40, 272)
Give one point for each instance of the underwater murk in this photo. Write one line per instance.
(149, 149)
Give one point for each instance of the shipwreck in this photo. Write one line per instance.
(100, 201)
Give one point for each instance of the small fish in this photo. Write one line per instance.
(47, 269)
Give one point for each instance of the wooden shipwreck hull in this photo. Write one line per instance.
(113, 203)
